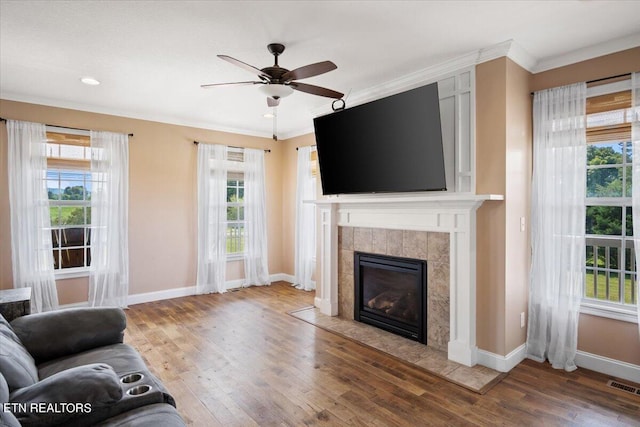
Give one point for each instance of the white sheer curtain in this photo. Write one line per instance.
(109, 271)
(256, 268)
(557, 224)
(635, 138)
(212, 217)
(31, 246)
(305, 237)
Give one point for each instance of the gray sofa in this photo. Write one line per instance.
(71, 367)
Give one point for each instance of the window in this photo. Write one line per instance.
(235, 202)
(69, 187)
(610, 255)
(235, 214)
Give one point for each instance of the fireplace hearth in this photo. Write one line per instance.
(391, 293)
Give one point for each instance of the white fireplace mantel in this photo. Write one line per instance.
(453, 213)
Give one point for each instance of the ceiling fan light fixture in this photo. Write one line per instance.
(276, 90)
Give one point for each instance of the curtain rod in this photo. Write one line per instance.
(603, 78)
(231, 146)
(62, 127)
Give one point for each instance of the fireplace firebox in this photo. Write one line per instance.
(391, 293)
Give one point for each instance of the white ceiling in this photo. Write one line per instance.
(152, 56)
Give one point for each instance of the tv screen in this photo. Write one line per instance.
(393, 144)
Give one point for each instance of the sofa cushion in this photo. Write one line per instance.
(82, 390)
(16, 364)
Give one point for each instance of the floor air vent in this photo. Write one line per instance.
(624, 387)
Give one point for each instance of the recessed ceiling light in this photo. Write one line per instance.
(90, 81)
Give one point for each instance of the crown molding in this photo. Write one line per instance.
(9, 96)
(433, 73)
(579, 55)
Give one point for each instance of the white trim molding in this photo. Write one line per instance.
(502, 363)
(447, 213)
(605, 365)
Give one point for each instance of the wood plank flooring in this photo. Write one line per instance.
(237, 359)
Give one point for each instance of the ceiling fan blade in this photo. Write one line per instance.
(249, 68)
(309, 71)
(273, 102)
(316, 90)
(229, 84)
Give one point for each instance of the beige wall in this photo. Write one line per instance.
(503, 166)
(162, 199)
(598, 335)
(518, 161)
(491, 116)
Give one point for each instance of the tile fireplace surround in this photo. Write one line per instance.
(414, 226)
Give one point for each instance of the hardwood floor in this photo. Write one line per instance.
(238, 359)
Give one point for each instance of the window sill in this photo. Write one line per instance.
(71, 273)
(608, 310)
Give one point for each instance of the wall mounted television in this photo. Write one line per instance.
(393, 144)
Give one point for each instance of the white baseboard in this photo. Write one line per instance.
(161, 295)
(605, 365)
(502, 363)
(181, 292)
(282, 277)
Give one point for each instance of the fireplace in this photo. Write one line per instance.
(391, 293)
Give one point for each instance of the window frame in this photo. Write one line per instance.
(231, 256)
(61, 165)
(593, 306)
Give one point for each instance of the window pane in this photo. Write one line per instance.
(241, 194)
(629, 182)
(604, 182)
(604, 220)
(55, 238)
(72, 258)
(55, 215)
(232, 213)
(72, 215)
(232, 194)
(629, 221)
(609, 153)
(72, 237)
(56, 259)
(235, 238)
(630, 295)
(630, 260)
(612, 258)
(241, 213)
(590, 256)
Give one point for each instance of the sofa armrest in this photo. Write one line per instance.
(54, 334)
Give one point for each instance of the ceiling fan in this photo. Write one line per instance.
(278, 82)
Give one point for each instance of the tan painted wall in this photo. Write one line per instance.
(491, 115)
(162, 198)
(598, 335)
(518, 161)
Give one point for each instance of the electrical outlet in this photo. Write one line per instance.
(522, 319)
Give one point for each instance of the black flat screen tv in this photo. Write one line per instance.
(393, 144)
